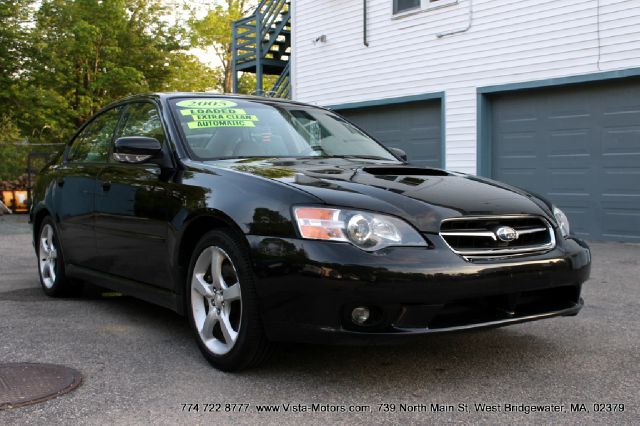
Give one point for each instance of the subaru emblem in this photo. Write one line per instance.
(506, 233)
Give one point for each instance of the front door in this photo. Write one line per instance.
(133, 208)
(74, 190)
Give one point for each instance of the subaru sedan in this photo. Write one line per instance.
(266, 220)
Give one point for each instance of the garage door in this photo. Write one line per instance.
(414, 128)
(580, 147)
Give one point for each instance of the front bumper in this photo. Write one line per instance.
(307, 289)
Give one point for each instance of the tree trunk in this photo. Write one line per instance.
(228, 77)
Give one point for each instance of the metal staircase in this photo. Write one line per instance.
(262, 45)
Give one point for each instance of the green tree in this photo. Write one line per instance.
(92, 51)
(13, 150)
(215, 30)
(62, 60)
(14, 14)
(188, 74)
(84, 54)
(247, 83)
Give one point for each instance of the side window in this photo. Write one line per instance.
(400, 6)
(94, 142)
(142, 119)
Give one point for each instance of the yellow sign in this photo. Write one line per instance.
(212, 111)
(201, 117)
(207, 113)
(206, 103)
(219, 123)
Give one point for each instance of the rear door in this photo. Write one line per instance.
(133, 207)
(75, 182)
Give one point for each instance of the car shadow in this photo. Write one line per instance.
(454, 359)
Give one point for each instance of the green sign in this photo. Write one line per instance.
(206, 103)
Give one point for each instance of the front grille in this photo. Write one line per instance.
(480, 237)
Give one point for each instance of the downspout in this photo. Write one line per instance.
(463, 30)
(364, 23)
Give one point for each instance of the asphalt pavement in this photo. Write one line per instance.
(141, 364)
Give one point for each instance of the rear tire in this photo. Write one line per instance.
(53, 279)
(222, 306)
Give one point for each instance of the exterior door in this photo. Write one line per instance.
(413, 127)
(75, 183)
(579, 146)
(133, 208)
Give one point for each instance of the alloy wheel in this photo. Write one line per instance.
(48, 256)
(216, 300)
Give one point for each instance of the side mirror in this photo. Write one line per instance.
(399, 153)
(137, 149)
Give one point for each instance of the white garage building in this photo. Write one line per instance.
(542, 94)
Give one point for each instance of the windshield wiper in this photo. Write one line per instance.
(364, 157)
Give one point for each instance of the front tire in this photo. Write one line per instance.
(222, 306)
(53, 279)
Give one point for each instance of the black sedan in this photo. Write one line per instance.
(265, 220)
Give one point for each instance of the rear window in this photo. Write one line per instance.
(216, 128)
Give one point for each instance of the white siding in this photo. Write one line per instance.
(508, 42)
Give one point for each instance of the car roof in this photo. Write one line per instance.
(170, 95)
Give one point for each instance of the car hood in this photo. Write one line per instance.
(422, 196)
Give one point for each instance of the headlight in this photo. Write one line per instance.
(563, 222)
(368, 231)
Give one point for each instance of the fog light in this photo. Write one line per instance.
(360, 315)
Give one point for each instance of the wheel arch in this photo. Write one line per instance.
(40, 213)
(194, 228)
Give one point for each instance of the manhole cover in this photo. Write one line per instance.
(25, 383)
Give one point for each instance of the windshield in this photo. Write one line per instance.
(217, 128)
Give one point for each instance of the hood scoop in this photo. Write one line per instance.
(406, 171)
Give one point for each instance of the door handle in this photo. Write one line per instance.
(60, 181)
(106, 186)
